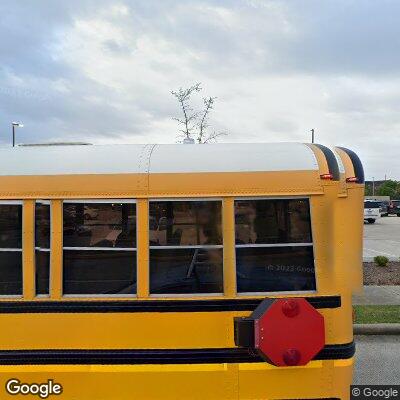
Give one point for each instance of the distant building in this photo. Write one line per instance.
(377, 198)
(54, 144)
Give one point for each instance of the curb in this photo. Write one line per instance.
(376, 329)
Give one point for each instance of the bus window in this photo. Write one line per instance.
(10, 249)
(99, 248)
(186, 253)
(42, 247)
(274, 250)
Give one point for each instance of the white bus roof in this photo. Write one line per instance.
(160, 158)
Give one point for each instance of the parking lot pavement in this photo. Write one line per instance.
(377, 360)
(378, 295)
(382, 239)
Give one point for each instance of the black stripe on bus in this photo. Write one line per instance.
(357, 165)
(331, 161)
(141, 306)
(154, 356)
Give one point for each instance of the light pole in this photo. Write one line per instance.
(373, 186)
(312, 135)
(15, 125)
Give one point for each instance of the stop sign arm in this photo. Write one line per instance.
(284, 332)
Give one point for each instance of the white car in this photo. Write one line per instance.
(372, 211)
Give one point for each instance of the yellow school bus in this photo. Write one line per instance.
(221, 271)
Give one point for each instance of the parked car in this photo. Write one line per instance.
(394, 207)
(384, 208)
(372, 211)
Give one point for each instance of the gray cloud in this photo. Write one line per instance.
(102, 70)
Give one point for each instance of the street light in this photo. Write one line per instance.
(14, 125)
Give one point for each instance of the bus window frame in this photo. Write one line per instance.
(21, 250)
(49, 250)
(312, 244)
(219, 246)
(135, 249)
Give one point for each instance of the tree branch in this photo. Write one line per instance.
(183, 97)
(213, 137)
(203, 125)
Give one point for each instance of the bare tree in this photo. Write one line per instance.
(195, 123)
(203, 125)
(188, 122)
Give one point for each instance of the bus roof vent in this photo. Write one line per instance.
(188, 140)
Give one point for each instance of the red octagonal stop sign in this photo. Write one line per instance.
(288, 331)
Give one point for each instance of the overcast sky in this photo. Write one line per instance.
(101, 71)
